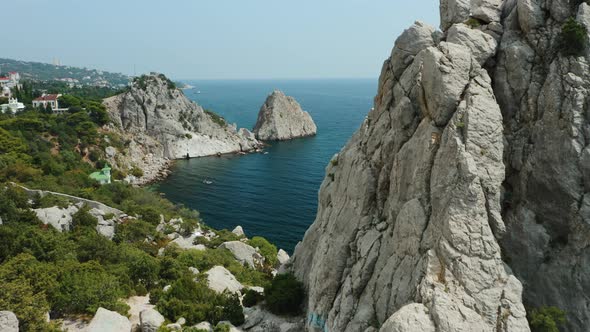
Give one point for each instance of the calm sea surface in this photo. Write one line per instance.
(273, 195)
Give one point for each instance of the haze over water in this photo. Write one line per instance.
(272, 195)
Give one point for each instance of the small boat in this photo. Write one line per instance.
(265, 152)
(207, 181)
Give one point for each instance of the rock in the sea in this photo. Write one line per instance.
(239, 231)
(106, 320)
(281, 118)
(244, 253)
(220, 280)
(161, 124)
(8, 322)
(150, 320)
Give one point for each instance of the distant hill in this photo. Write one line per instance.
(47, 72)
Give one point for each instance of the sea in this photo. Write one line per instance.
(273, 194)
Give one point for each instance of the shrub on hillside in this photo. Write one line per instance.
(285, 295)
(267, 249)
(574, 38)
(546, 319)
(252, 298)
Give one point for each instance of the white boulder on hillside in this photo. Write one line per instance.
(8, 321)
(106, 320)
(281, 118)
(220, 280)
(244, 253)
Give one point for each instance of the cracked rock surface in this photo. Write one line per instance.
(467, 180)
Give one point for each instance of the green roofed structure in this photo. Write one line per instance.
(103, 176)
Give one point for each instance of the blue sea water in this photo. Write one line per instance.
(272, 195)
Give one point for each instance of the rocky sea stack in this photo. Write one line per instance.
(161, 123)
(466, 182)
(281, 118)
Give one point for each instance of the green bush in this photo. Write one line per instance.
(285, 295)
(574, 38)
(196, 302)
(216, 118)
(267, 250)
(221, 328)
(137, 172)
(252, 298)
(546, 319)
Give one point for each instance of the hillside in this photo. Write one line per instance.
(47, 72)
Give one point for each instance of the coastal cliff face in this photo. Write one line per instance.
(281, 118)
(470, 172)
(162, 123)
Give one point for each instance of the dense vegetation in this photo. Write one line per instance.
(76, 272)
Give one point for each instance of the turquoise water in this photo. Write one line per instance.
(273, 195)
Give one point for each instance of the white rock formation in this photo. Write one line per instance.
(204, 326)
(163, 124)
(8, 322)
(282, 256)
(239, 231)
(150, 320)
(59, 218)
(405, 234)
(105, 320)
(244, 253)
(281, 118)
(220, 279)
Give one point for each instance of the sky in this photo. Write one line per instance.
(215, 39)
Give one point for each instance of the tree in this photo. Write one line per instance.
(547, 319)
(285, 295)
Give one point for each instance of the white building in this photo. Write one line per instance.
(5, 92)
(47, 101)
(13, 106)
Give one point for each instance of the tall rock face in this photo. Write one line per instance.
(466, 181)
(163, 123)
(404, 238)
(544, 97)
(281, 118)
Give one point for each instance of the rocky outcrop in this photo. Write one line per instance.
(8, 321)
(259, 320)
(150, 320)
(409, 220)
(243, 253)
(220, 280)
(105, 320)
(281, 118)
(160, 123)
(544, 97)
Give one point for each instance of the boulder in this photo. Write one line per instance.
(239, 231)
(482, 45)
(59, 218)
(259, 320)
(8, 322)
(220, 280)
(282, 256)
(110, 151)
(244, 253)
(206, 326)
(193, 270)
(150, 320)
(106, 320)
(281, 118)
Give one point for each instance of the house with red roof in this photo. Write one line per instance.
(47, 100)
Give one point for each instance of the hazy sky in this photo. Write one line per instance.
(215, 39)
